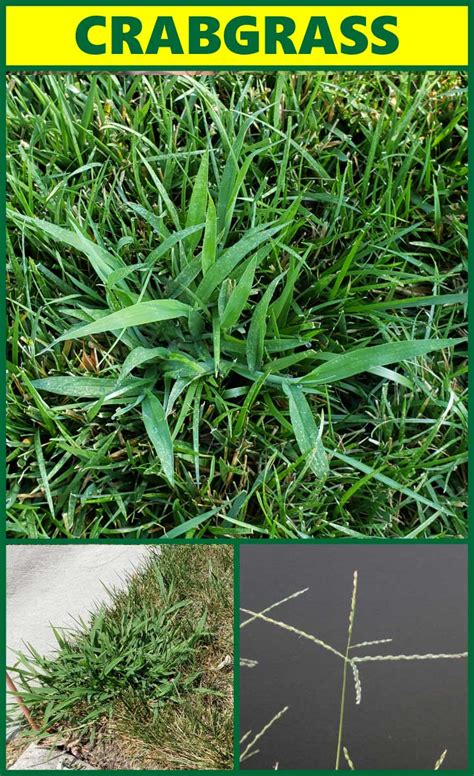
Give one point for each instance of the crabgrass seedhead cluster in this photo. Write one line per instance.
(277, 305)
(249, 739)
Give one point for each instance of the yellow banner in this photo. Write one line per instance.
(236, 36)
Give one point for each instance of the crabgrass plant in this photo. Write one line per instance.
(145, 684)
(237, 305)
(349, 661)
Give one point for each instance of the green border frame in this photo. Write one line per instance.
(236, 543)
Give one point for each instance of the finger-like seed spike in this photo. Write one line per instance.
(440, 760)
(348, 759)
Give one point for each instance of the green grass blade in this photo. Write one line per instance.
(139, 356)
(150, 218)
(307, 434)
(362, 359)
(181, 236)
(198, 203)
(86, 387)
(44, 474)
(239, 297)
(413, 301)
(257, 328)
(158, 432)
(173, 213)
(135, 315)
(390, 482)
(210, 238)
(190, 525)
(101, 260)
(89, 105)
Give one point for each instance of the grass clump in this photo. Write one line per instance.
(141, 686)
(237, 305)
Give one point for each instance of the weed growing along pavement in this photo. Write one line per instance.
(237, 305)
(148, 683)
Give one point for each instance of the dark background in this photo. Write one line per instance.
(410, 711)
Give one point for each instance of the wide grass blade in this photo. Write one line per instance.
(158, 432)
(209, 246)
(239, 297)
(86, 387)
(307, 434)
(191, 524)
(135, 315)
(363, 359)
(257, 329)
(198, 203)
(139, 356)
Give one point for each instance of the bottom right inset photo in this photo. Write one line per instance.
(353, 656)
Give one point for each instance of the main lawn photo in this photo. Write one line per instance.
(237, 305)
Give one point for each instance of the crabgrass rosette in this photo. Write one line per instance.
(268, 322)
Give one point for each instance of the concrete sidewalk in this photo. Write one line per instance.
(55, 584)
(37, 758)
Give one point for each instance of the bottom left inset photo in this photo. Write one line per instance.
(120, 657)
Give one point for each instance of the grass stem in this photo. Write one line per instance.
(344, 672)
